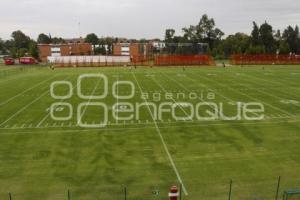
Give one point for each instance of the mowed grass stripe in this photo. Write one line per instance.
(256, 99)
(163, 142)
(26, 90)
(20, 110)
(282, 87)
(94, 163)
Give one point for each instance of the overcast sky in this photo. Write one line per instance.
(139, 18)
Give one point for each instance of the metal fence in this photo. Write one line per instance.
(264, 59)
(229, 190)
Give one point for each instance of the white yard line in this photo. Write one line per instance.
(24, 107)
(12, 98)
(186, 89)
(250, 97)
(89, 101)
(17, 76)
(163, 141)
(154, 80)
(255, 88)
(47, 115)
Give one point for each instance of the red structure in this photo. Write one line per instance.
(181, 60)
(173, 194)
(265, 59)
(9, 61)
(27, 61)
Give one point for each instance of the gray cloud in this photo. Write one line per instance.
(139, 18)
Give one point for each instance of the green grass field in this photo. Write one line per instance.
(41, 158)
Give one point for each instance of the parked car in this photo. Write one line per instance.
(27, 61)
(9, 61)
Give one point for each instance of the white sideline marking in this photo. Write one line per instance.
(163, 142)
(194, 123)
(22, 93)
(165, 127)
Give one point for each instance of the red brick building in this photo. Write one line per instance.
(69, 49)
(132, 49)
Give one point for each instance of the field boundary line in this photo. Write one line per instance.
(153, 127)
(29, 126)
(163, 141)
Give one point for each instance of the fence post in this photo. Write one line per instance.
(9, 195)
(278, 187)
(125, 193)
(69, 195)
(230, 189)
(180, 191)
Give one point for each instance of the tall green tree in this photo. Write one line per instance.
(33, 49)
(267, 39)
(291, 36)
(235, 44)
(169, 35)
(2, 47)
(20, 39)
(57, 40)
(255, 40)
(204, 32)
(93, 39)
(44, 39)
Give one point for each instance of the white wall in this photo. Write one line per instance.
(89, 59)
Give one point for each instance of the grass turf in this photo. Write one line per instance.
(41, 158)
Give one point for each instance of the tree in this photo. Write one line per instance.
(204, 32)
(33, 49)
(20, 39)
(291, 36)
(57, 40)
(267, 39)
(2, 47)
(93, 39)
(284, 47)
(235, 44)
(255, 35)
(169, 35)
(43, 39)
(20, 44)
